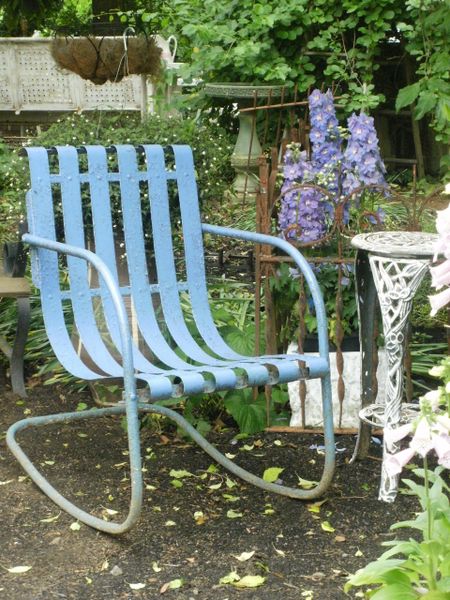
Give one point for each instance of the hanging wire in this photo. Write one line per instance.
(124, 60)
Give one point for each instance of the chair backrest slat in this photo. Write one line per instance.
(132, 210)
(45, 264)
(103, 231)
(74, 235)
(164, 255)
(86, 201)
(193, 247)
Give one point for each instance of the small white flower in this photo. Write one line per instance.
(437, 371)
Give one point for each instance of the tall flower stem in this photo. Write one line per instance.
(427, 500)
(429, 531)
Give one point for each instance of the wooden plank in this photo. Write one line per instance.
(14, 287)
(337, 431)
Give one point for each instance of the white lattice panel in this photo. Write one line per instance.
(31, 81)
(112, 95)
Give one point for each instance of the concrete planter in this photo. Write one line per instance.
(348, 417)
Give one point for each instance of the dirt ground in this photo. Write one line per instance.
(187, 539)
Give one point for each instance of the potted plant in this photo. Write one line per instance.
(115, 41)
(102, 59)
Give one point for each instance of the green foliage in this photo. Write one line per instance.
(22, 17)
(11, 210)
(286, 290)
(420, 569)
(74, 18)
(249, 414)
(288, 42)
(147, 16)
(425, 27)
(335, 43)
(210, 143)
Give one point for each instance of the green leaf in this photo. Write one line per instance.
(250, 415)
(180, 474)
(327, 527)
(434, 595)
(315, 506)
(270, 475)
(396, 591)
(407, 95)
(427, 102)
(230, 578)
(374, 572)
(250, 581)
(241, 341)
(233, 514)
(306, 484)
(175, 584)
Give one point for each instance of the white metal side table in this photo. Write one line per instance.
(389, 268)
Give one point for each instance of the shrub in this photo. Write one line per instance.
(210, 143)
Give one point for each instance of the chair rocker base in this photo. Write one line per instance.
(136, 474)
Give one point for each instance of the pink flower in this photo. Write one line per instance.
(441, 445)
(392, 435)
(439, 300)
(440, 275)
(431, 399)
(443, 221)
(394, 463)
(421, 441)
(443, 422)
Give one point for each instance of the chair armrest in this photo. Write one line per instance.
(299, 260)
(111, 285)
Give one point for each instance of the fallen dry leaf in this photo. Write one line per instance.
(250, 581)
(244, 556)
(19, 569)
(171, 585)
(137, 586)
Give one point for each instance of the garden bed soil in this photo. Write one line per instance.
(186, 532)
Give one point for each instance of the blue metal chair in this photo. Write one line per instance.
(71, 191)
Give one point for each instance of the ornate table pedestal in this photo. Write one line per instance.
(390, 267)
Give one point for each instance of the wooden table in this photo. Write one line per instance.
(19, 288)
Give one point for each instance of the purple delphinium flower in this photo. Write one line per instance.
(305, 213)
(325, 136)
(301, 215)
(326, 142)
(362, 163)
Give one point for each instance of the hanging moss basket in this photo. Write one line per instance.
(102, 59)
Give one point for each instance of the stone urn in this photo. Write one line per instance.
(247, 148)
